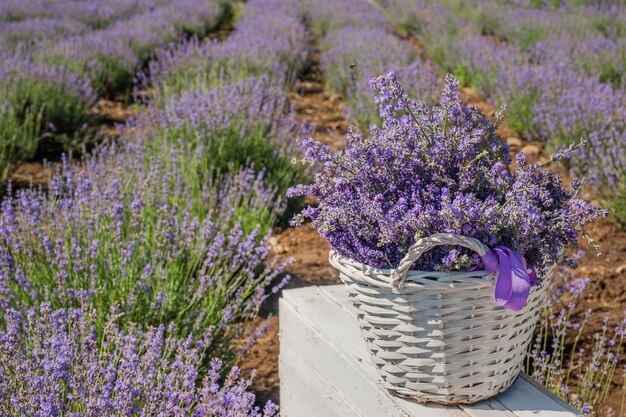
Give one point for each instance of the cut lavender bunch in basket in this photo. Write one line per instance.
(444, 248)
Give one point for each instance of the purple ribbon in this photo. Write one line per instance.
(514, 281)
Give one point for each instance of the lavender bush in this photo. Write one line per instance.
(437, 169)
(230, 127)
(190, 66)
(352, 56)
(58, 57)
(56, 362)
(110, 57)
(131, 232)
(110, 66)
(38, 98)
(224, 103)
(61, 96)
(280, 54)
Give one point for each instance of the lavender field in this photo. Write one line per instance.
(140, 277)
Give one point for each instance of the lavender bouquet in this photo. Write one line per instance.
(438, 169)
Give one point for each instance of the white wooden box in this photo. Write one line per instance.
(325, 370)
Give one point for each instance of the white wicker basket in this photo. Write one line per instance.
(439, 336)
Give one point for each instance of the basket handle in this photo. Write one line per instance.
(424, 244)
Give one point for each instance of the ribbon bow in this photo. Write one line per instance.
(514, 281)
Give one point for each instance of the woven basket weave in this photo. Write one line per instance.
(439, 336)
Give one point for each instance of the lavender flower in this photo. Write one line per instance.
(436, 169)
(56, 362)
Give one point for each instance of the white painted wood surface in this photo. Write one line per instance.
(325, 370)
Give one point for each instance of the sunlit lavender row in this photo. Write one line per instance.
(159, 244)
(57, 59)
(357, 45)
(280, 54)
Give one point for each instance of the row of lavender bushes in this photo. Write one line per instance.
(58, 58)
(66, 15)
(357, 46)
(225, 102)
(560, 68)
(125, 287)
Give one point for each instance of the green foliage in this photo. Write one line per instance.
(487, 23)
(112, 76)
(62, 109)
(203, 76)
(610, 74)
(410, 24)
(528, 37)
(618, 208)
(108, 74)
(462, 72)
(519, 116)
(228, 150)
(605, 25)
(19, 138)
(32, 106)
